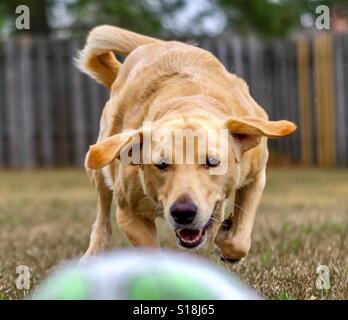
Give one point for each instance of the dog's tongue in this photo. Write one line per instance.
(189, 235)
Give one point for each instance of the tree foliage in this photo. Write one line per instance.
(275, 18)
(137, 15)
(267, 18)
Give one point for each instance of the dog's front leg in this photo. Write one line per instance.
(101, 230)
(139, 230)
(234, 236)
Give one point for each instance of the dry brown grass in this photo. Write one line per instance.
(45, 218)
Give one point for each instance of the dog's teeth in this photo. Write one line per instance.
(190, 241)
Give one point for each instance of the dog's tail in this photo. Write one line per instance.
(97, 58)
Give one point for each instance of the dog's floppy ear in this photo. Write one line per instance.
(247, 131)
(102, 153)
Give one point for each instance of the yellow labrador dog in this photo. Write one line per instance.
(175, 88)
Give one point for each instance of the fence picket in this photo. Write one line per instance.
(26, 100)
(3, 127)
(44, 104)
(78, 109)
(341, 126)
(11, 105)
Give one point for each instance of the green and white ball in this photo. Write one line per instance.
(143, 274)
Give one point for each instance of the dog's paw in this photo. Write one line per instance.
(233, 252)
(232, 247)
(217, 252)
(231, 261)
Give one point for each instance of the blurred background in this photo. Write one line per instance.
(49, 112)
(294, 56)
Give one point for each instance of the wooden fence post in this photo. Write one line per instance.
(26, 99)
(3, 127)
(325, 104)
(341, 112)
(11, 72)
(44, 104)
(78, 108)
(305, 124)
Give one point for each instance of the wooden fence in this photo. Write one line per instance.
(49, 111)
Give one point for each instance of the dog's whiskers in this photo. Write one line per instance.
(212, 221)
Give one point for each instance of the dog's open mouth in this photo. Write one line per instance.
(190, 238)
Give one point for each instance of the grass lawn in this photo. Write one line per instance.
(46, 216)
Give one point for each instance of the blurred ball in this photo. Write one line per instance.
(136, 274)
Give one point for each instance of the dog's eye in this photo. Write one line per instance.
(212, 162)
(162, 164)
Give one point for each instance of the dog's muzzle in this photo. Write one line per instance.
(184, 213)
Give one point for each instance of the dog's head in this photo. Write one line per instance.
(188, 164)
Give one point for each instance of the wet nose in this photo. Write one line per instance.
(183, 210)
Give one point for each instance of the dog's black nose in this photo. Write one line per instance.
(183, 210)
